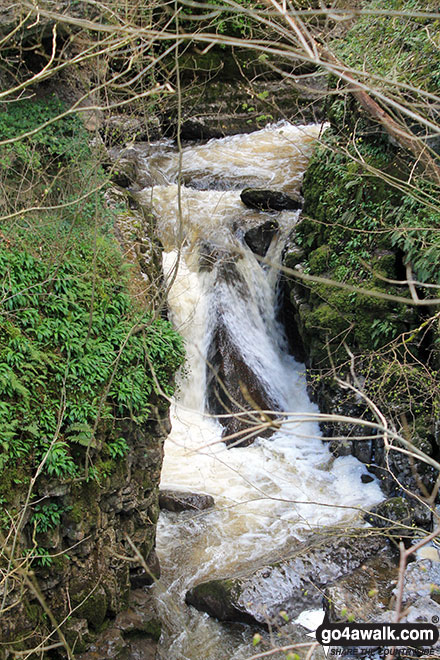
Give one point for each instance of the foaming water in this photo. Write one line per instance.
(275, 156)
(270, 494)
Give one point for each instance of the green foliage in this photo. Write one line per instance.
(223, 19)
(358, 213)
(417, 220)
(41, 557)
(408, 46)
(359, 230)
(382, 330)
(47, 516)
(62, 329)
(118, 448)
(62, 140)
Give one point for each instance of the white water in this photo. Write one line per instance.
(268, 495)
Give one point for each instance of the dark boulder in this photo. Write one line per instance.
(279, 592)
(233, 387)
(269, 200)
(260, 238)
(176, 500)
(190, 129)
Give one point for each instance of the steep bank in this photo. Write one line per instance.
(369, 225)
(86, 360)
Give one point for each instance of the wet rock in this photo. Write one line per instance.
(232, 388)
(133, 635)
(290, 586)
(127, 168)
(260, 238)
(210, 256)
(140, 617)
(141, 649)
(269, 200)
(176, 500)
(363, 593)
(420, 602)
(120, 129)
(399, 516)
(110, 644)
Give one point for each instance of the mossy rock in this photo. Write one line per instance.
(325, 319)
(91, 604)
(398, 516)
(152, 628)
(319, 259)
(383, 264)
(217, 598)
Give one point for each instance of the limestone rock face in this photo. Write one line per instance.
(98, 520)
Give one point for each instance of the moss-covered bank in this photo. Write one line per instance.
(369, 224)
(85, 362)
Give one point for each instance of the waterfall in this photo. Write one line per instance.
(271, 493)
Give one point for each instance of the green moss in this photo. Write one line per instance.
(384, 265)
(94, 608)
(33, 612)
(325, 318)
(319, 259)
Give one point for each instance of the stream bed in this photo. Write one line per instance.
(273, 493)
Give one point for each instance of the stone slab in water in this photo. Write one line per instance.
(233, 387)
(177, 500)
(290, 586)
(269, 200)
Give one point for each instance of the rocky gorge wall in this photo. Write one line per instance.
(348, 257)
(86, 541)
(79, 480)
(90, 577)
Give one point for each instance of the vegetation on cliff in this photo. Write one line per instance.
(84, 368)
(370, 249)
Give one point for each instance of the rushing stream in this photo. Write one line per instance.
(272, 492)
